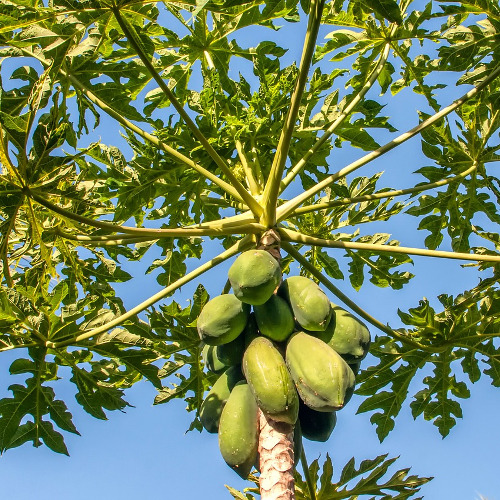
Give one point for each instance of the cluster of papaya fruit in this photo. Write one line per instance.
(294, 356)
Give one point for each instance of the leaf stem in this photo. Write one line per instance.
(129, 32)
(287, 208)
(293, 172)
(307, 475)
(346, 300)
(290, 235)
(233, 250)
(387, 194)
(255, 189)
(19, 346)
(199, 230)
(271, 190)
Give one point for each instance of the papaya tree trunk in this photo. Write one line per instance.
(276, 459)
(275, 438)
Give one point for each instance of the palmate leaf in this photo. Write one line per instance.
(368, 480)
(182, 350)
(30, 414)
(465, 331)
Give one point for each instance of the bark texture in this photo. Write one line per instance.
(276, 459)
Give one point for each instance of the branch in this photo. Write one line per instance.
(103, 241)
(386, 194)
(287, 208)
(230, 252)
(271, 190)
(129, 32)
(289, 235)
(329, 131)
(199, 230)
(347, 301)
(255, 189)
(19, 346)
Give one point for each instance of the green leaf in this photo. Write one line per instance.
(369, 479)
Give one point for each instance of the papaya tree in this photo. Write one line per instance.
(226, 142)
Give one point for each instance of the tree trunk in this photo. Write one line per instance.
(276, 458)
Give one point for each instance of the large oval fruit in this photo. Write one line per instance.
(214, 402)
(310, 305)
(347, 335)
(222, 319)
(272, 386)
(316, 425)
(239, 430)
(231, 353)
(323, 379)
(211, 359)
(254, 276)
(275, 318)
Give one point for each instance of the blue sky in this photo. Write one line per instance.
(146, 453)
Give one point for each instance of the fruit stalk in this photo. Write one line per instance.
(276, 457)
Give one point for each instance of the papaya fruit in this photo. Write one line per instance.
(222, 319)
(347, 335)
(269, 380)
(254, 276)
(215, 400)
(239, 430)
(275, 318)
(212, 360)
(322, 377)
(310, 305)
(316, 425)
(231, 353)
(251, 330)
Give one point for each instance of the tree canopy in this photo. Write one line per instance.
(225, 134)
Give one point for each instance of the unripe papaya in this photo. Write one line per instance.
(347, 335)
(222, 319)
(275, 318)
(212, 360)
(214, 402)
(251, 330)
(254, 276)
(239, 430)
(322, 377)
(232, 353)
(310, 305)
(316, 425)
(268, 378)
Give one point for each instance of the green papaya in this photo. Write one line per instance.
(231, 353)
(316, 425)
(251, 330)
(310, 305)
(347, 335)
(268, 378)
(212, 360)
(222, 319)
(254, 276)
(239, 430)
(215, 400)
(355, 367)
(275, 318)
(322, 377)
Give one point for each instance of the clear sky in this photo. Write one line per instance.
(145, 452)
